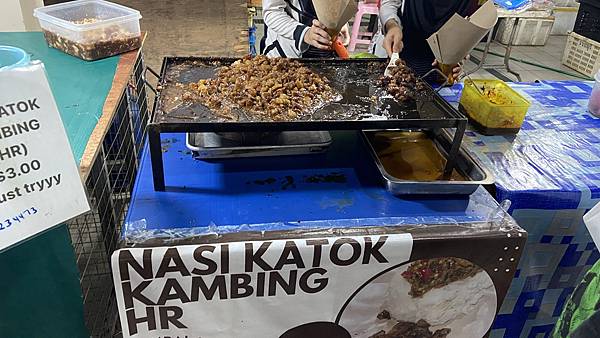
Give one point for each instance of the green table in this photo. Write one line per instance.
(40, 295)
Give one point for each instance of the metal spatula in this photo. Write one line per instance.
(392, 64)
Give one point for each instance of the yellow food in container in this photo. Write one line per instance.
(500, 110)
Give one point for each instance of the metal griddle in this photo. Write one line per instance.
(362, 106)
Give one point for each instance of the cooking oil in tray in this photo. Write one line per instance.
(411, 156)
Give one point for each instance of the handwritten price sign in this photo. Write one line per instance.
(39, 181)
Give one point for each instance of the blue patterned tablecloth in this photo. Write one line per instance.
(550, 172)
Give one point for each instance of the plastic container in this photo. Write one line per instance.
(499, 111)
(511, 4)
(564, 20)
(582, 54)
(594, 103)
(530, 31)
(12, 57)
(90, 29)
(588, 19)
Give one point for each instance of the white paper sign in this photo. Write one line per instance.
(277, 288)
(40, 185)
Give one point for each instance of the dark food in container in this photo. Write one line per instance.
(90, 29)
(108, 44)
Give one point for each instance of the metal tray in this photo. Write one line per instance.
(363, 105)
(468, 166)
(206, 146)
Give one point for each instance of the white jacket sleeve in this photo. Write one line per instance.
(277, 20)
(389, 11)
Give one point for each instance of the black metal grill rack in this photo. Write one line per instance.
(94, 235)
(434, 114)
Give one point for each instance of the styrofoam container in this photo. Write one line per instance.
(530, 31)
(566, 3)
(90, 29)
(564, 20)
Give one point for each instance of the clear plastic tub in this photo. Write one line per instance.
(594, 103)
(12, 57)
(90, 29)
(500, 110)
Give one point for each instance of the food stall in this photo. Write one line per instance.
(319, 198)
(234, 172)
(334, 241)
(271, 204)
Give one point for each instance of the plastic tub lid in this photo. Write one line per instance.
(12, 57)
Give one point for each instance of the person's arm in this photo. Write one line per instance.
(391, 26)
(389, 11)
(279, 21)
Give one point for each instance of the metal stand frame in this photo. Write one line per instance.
(157, 127)
(156, 154)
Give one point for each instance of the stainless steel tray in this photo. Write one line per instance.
(234, 145)
(476, 173)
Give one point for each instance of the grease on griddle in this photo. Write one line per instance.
(354, 83)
